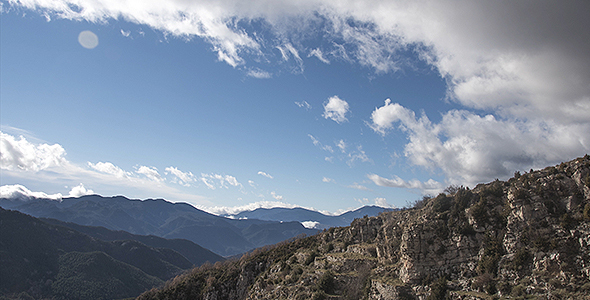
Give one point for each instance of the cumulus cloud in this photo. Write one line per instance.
(265, 174)
(429, 187)
(214, 181)
(335, 109)
(149, 172)
(470, 148)
(382, 202)
(183, 178)
(20, 154)
(79, 191)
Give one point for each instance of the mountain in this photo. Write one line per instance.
(317, 219)
(196, 254)
(161, 218)
(525, 238)
(46, 260)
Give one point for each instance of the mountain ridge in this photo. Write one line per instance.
(525, 238)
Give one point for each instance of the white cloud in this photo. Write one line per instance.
(317, 142)
(213, 181)
(183, 178)
(265, 174)
(470, 148)
(498, 55)
(382, 202)
(43, 164)
(342, 145)
(335, 109)
(223, 210)
(258, 73)
(359, 154)
(277, 197)
(125, 33)
(328, 180)
(310, 224)
(79, 191)
(303, 104)
(18, 191)
(111, 169)
(359, 187)
(149, 172)
(429, 187)
(319, 55)
(20, 154)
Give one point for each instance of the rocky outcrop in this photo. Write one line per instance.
(526, 237)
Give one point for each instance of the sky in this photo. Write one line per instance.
(329, 105)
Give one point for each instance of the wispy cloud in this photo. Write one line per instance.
(328, 180)
(265, 174)
(429, 187)
(359, 187)
(303, 104)
(277, 197)
(213, 181)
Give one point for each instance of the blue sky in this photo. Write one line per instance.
(325, 105)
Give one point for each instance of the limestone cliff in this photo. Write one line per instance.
(528, 237)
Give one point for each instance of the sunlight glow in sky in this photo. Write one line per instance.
(322, 104)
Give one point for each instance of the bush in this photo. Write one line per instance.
(439, 290)
(326, 283)
(442, 203)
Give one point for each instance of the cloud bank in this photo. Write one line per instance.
(520, 69)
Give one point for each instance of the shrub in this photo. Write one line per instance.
(439, 290)
(326, 283)
(442, 203)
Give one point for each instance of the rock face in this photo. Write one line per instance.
(527, 237)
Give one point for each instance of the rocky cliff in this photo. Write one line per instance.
(528, 237)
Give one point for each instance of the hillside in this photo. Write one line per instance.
(161, 218)
(196, 254)
(526, 238)
(44, 261)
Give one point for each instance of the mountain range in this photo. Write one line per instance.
(310, 218)
(158, 217)
(525, 238)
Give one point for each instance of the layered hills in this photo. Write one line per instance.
(164, 219)
(525, 238)
(43, 260)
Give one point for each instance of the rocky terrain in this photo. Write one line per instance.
(526, 238)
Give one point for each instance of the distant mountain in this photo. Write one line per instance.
(49, 261)
(305, 215)
(161, 218)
